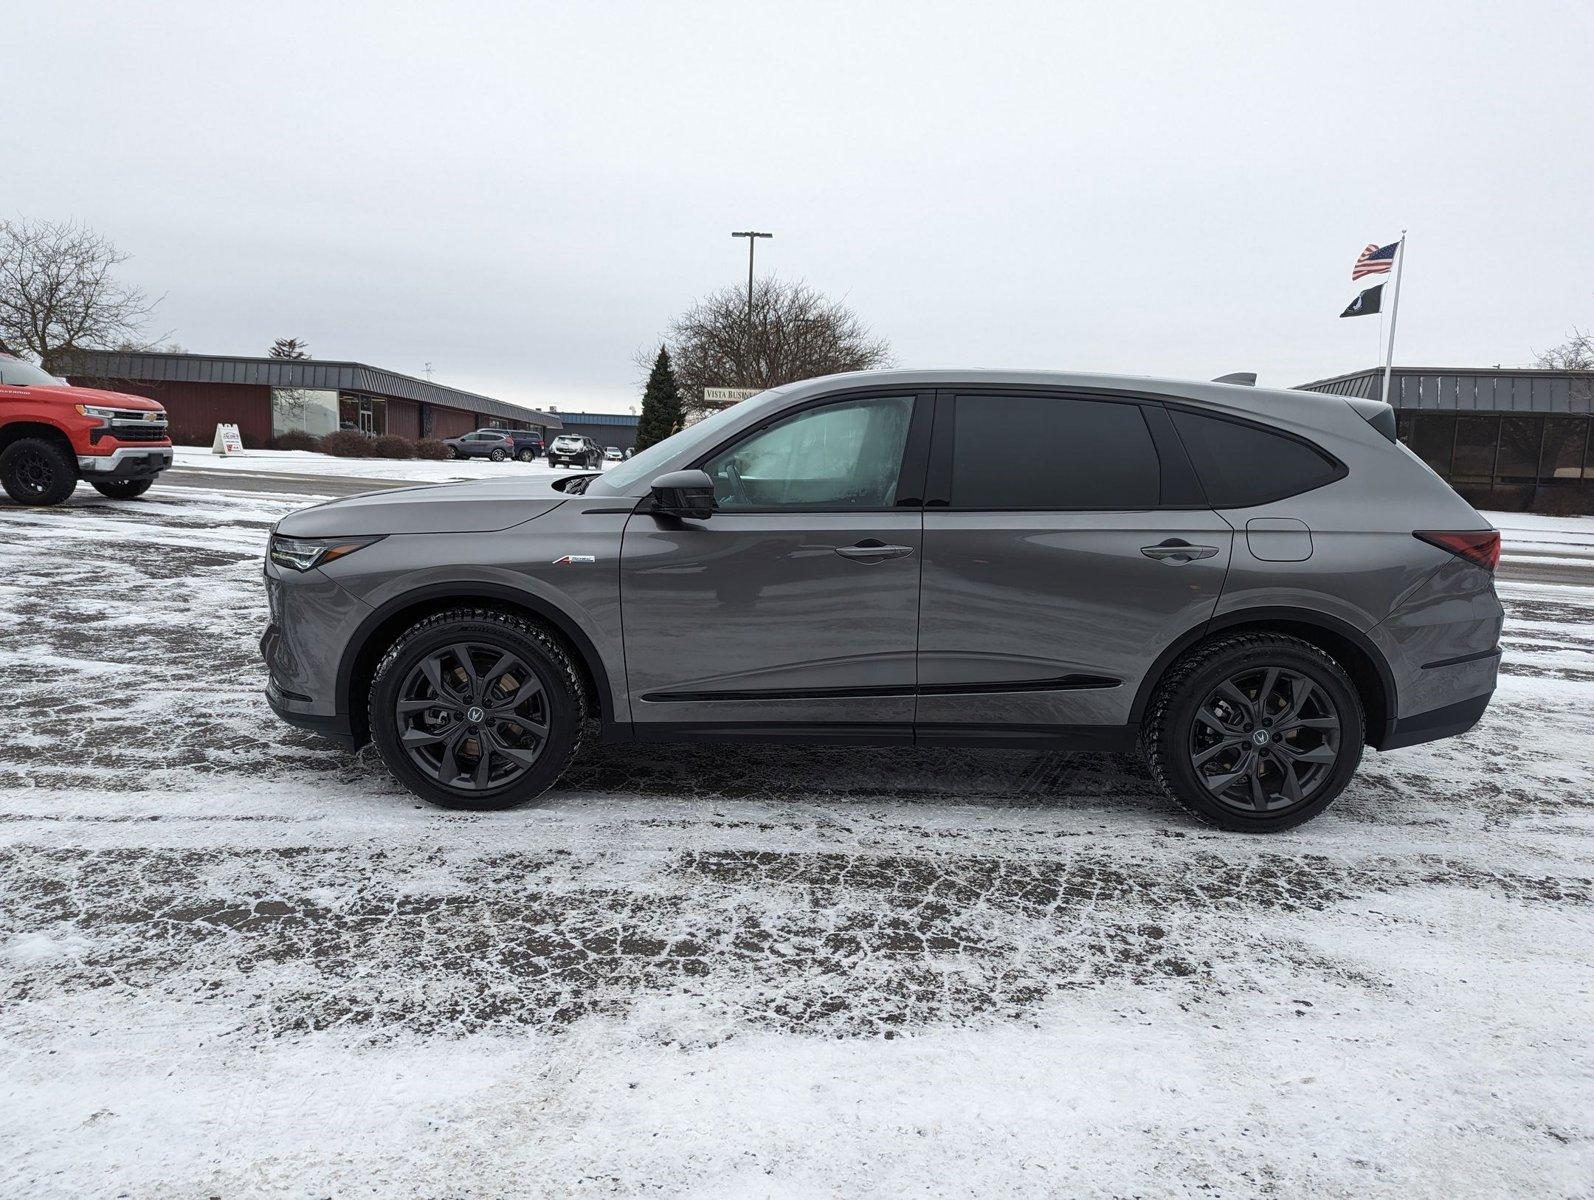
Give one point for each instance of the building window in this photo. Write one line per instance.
(1519, 448)
(303, 410)
(1433, 440)
(1565, 445)
(1477, 439)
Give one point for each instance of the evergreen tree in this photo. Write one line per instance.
(289, 348)
(661, 404)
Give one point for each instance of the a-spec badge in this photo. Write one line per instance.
(572, 559)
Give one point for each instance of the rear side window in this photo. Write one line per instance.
(1242, 465)
(1049, 452)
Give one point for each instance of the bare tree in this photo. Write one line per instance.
(289, 348)
(1574, 354)
(793, 332)
(58, 292)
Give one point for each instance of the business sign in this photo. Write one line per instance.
(228, 440)
(724, 396)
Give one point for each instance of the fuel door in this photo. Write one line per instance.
(1278, 539)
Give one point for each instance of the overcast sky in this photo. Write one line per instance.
(524, 194)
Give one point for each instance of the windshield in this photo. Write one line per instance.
(16, 373)
(646, 462)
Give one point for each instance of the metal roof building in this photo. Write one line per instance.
(1498, 434)
(266, 397)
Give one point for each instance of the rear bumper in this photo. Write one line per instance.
(1435, 724)
(126, 462)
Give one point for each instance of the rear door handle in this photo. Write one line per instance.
(871, 551)
(1176, 550)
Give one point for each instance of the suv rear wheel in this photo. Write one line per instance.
(527, 455)
(1254, 732)
(474, 708)
(498, 454)
(35, 470)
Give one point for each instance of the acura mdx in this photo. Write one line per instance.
(1246, 586)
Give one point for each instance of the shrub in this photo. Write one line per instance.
(345, 443)
(1564, 501)
(296, 439)
(430, 448)
(392, 446)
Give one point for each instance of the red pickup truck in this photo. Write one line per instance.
(53, 434)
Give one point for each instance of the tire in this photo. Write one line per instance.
(498, 455)
(451, 452)
(122, 489)
(526, 456)
(1202, 730)
(36, 470)
(433, 648)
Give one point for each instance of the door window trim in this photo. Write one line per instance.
(910, 472)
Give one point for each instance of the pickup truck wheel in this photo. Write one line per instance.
(122, 489)
(37, 471)
(526, 456)
(475, 708)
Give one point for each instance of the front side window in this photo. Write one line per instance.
(845, 455)
(1051, 452)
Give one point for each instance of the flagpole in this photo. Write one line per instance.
(1394, 313)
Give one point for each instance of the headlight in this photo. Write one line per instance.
(94, 410)
(300, 554)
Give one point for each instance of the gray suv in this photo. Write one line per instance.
(1247, 586)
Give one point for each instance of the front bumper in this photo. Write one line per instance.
(126, 462)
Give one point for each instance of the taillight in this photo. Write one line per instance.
(1481, 548)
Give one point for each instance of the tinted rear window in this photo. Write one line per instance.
(1014, 452)
(1243, 465)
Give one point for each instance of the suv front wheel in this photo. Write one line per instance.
(475, 708)
(1254, 732)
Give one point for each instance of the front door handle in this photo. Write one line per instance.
(872, 551)
(1176, 550)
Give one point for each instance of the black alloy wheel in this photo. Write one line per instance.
(1264, 739)
(1254, 732)
(472, 716)
(475, 708)
(35, 470)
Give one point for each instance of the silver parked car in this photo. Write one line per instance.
(1248, 586)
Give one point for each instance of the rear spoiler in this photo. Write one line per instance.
(1376, 413)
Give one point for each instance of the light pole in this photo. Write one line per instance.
(752, 236)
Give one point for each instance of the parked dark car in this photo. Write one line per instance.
(572, 450)
(528, 445)
(1247, 586)
(481, 444)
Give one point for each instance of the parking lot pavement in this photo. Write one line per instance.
(234, 960)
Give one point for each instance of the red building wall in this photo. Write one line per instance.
(404, 419)
(195, 409)
(451, 422)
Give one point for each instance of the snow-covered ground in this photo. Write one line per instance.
(235, 962)
(305, 462)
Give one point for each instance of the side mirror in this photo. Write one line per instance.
(685, 494)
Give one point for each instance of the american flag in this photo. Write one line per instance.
(1375, 260)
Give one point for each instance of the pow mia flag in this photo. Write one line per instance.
(1365, 304)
